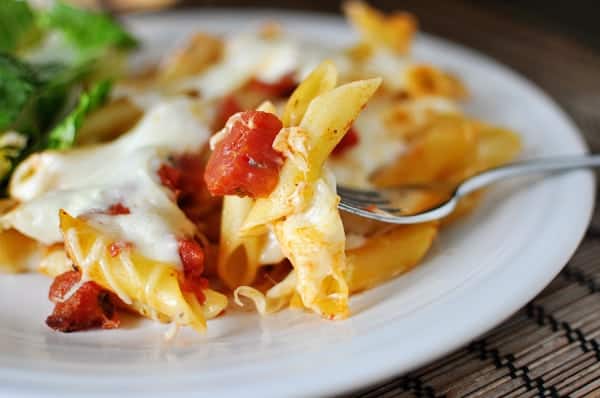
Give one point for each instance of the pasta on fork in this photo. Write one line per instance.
(301, 210)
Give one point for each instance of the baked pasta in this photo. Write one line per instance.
(209, 180)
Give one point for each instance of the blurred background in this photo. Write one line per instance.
(577, 18)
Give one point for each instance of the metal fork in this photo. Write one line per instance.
(382, 204)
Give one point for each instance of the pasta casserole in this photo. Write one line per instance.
(209, 180)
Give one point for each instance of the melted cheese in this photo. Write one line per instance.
(271, 252)
(377, 146)
(144, 99)
(88, 181)
(314, 241)
(247, 56)
(389, 66)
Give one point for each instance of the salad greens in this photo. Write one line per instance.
(63, 135)
(17, 25)
(18, 85)
(88, 32)
(48, 89)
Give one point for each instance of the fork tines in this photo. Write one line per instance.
(371, 201)
(361, 197)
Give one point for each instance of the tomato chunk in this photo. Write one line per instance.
(230, 105)
(244, 163)
(282, 88)
(118, 209)
(89, 307)
(185, 177)
(192, 258)
(349, 140)
(169, 176)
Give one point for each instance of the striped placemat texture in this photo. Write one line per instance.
(550, 348)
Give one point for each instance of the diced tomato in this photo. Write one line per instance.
(192, 258)
(282, 88)
(244, 163)
(89, 307)
(349, 140)
(185, 177)
(228, 107)
(197, 287)
(118, 209)
(191, 183)
(169, 176)
(62, 284)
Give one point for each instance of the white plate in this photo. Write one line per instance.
(480, 271)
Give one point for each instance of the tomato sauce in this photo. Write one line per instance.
(244, 163)
(192, 257)
(282, 88)
(89, 307)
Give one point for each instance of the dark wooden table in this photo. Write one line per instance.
(552, 346)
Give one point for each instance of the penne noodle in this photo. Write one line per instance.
(319, 132)
(238, 255)
(394, 32)
(18, 253)
(387, 255)
(109, 122)
(150, 287)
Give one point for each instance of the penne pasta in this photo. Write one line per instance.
(239, 256)
(376, 29)
(18, 253)
(387, 255)
(445, 149)
(215, 171)
(149, 287)
(310, 144)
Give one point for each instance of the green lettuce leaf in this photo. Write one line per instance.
(64, 134)
(19, 86)
(41, 101)
(32, 96)
(17, 25)
(90, 32)
(41, 105)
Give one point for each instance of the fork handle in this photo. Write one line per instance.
(534, 166)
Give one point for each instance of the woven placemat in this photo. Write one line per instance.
(550, 348)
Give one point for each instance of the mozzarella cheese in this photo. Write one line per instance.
(250, 56)
(377, 146)
(388, 65)
(271, 252)
(88, 181)
(245, 56)
(143, 98)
